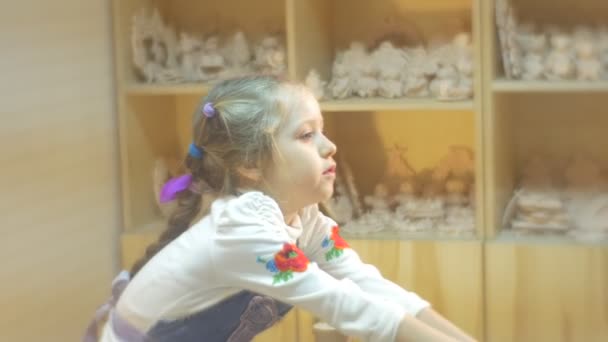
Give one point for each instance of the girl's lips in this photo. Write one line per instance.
(330, 170)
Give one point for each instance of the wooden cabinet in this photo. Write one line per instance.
(497, 286)
(540, 288)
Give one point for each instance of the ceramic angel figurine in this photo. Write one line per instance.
(456, 171)
(390, 62)
(590, 218)
(379, 217)
(341, 85)
(366, 85)
(602, 47)
(588, 63)
(270, 56)
(379, 201)
(154, 48)
(211, 61)
(340, 204)
(444, 85)
(237, 54)
(458, 220)
(539, 212)
(534, 49)
(451, 68)
(421, 208)
(560, 64)
(407, 192)
(414, 79)
(190, 50)
(537, 206)
(316, 84)
(347, 71)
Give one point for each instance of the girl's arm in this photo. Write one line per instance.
(333, 255)
(322, 243)
(435, 320)
(412, 329)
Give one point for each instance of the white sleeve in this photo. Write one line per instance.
(326, 247)
(253, 252)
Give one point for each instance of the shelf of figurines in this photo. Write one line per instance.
(555, 201)
(437, 203)
(438, 76)
(549, 57)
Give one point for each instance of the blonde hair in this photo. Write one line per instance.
(248, 112)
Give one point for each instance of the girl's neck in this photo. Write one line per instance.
(289, 214)
(289, 217)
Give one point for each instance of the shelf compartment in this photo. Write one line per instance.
(554, 126)
(563, 15)
(254, 19)
(319, 29)
(364, 140)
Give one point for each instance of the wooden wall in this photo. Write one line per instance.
(59, 209)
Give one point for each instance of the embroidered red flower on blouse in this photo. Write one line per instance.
(336, 244)
(291, 258)
(288, 260)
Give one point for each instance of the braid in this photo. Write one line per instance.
(188, 206)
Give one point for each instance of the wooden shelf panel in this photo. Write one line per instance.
(405, 104)
(509, 236)
(545, 293)
(346, 105)
(515, 86)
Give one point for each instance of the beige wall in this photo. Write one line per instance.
(59, 209)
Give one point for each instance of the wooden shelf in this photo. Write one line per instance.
(143, 89)
(514, 86)
(405, 104)
(510, 236)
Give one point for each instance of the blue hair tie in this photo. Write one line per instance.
(195, 152)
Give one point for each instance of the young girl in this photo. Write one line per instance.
(258, 166)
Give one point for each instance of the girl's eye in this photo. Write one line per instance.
(307, 135)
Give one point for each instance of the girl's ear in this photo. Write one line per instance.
(251, 174)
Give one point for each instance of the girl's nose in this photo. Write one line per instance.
(328, 148)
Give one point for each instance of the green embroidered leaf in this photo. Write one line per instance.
(261, 260)
(293, 255)
(333, 253)
(282, 277)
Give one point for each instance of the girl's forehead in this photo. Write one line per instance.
(304, 107)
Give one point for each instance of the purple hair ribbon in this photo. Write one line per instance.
(174, 186)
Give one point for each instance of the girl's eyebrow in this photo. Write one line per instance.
(309, 121)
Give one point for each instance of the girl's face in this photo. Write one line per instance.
(304, 170)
